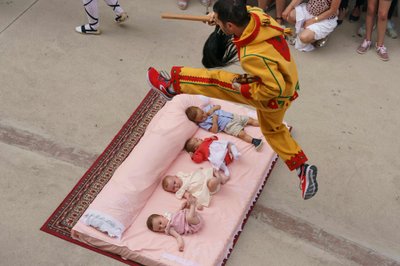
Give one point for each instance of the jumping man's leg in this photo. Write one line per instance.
(281, 141)
(211, 83)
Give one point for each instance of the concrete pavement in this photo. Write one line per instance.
(65, 95)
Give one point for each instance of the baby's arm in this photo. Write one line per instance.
(213, 109)
(198, 157)
(178, 238)
(214, 127)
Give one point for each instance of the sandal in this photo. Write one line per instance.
(279, 20)
(87, 30)
(182, 4)
(354, 18)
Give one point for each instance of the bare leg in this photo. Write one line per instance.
(223, 178)
(307, 36)
(191, 216)
(262, 4)
(244, 136)
(280, 6)
(253, 122)
(291, 17)
(213, 184)
(369, 21)
(383, 10)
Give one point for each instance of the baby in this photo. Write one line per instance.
(220, 153)
(183, 222)
(202, 184)
(213, 119)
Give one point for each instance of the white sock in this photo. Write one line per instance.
(235, 151)
(225, 169)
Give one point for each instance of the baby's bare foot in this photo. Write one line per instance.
(224, 178)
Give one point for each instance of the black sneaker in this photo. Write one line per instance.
(308, 181)
(258, 143)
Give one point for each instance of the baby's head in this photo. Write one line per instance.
(171, 183)
(157, 223)
(192, 144)
(195, 114)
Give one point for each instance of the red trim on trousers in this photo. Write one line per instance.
(177, 78)
(175, 71)
(296, 160)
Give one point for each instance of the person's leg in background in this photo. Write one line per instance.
(390, 30)
(120, 14)
(383, 9)
(342, 11)
(92, 13)
(356, 12)
(280, 6)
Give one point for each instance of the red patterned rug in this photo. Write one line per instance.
(92, 182)
(85, 191)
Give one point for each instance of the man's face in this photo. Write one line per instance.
(225, 27)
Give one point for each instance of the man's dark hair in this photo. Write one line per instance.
(233, 11)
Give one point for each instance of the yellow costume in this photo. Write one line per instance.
(263, 52)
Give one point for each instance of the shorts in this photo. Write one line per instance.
(321, 29)
(236, 125)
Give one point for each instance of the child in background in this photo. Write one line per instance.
(92, 12)
(220, 153)
(213, 119)
(183, 222)
(202, 184)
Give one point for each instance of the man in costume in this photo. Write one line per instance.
(270, 83)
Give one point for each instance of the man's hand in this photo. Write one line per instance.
(211, 19)
(245, 79)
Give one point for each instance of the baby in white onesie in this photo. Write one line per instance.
(202, 184)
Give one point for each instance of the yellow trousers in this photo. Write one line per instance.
(218, 84)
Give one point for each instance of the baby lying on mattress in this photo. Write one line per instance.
(183, 222)
(213, 119)
(202, 184)
(220, 153)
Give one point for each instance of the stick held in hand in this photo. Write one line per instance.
(185, 17)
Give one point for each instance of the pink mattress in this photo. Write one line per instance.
(134, 193)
